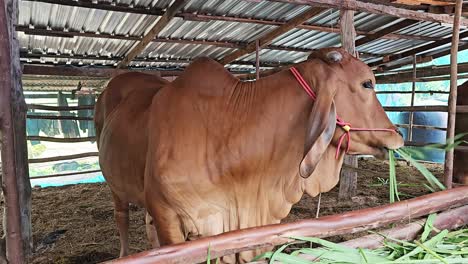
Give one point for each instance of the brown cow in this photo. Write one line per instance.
(123, 108)
(225, 154)
(460, 165)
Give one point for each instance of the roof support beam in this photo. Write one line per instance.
(383, 32)
(416, 50)
(379, 9)
(25, 55)
(270, 36)
(209, 17)
(423, 58)
(223, 44)
(163, 21)
(425, 72)
(77, 71)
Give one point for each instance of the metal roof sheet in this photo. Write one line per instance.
(79, 19)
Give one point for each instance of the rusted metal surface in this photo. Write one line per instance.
(351, 222)
(452, 101)
(14, 242)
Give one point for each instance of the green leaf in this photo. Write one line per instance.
(428, 243)
(430, 252)
(428, 226)
(433, 181)
(277, 252)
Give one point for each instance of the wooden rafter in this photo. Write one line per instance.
(416, 50)
(385, 31)
(407, 75)
(423, 58)
(379, 9)
(88, 71)
(26, 55)
(224, 44)
(153, 32)
(270, 36)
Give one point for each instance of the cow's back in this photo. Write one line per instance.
(121, 118)
(461, 157)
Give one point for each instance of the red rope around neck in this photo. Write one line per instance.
(340, 122)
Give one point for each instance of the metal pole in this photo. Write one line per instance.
(452, 102)
(257, 59)
(10, 186)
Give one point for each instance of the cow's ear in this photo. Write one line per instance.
(322, 124)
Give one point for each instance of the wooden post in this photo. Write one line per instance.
(15, 183)
(413, 91)
(348, 178)
(257, 59)
(452, 102)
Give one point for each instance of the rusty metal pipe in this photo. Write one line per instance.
(258, 237)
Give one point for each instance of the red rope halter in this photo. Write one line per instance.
(340, 122)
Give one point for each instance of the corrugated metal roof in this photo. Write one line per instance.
(79, 19)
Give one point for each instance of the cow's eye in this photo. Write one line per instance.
(368, 84)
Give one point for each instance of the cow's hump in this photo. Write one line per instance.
(206, 76)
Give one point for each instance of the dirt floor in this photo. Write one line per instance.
(74, 224)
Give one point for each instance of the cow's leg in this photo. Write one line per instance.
(167, 224)
(122, 221)
(151, 231)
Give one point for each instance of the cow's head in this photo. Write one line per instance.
(345, 86)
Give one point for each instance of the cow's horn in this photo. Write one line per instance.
(334, 56)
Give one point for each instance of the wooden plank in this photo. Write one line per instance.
(416, 50)
(15, 179)
(452, 100)
(421, 127)
(385, 31)
(153, 32)
(432, 108)
(426, 57)
(64, 174)
(429, 108)
(31, 116)
(409, 92)
(64, 157)
(270, 36)
(413, 94)
(61, 140)
(379, 9)
(82, 71)
(149, 60)
(60, 108)
(271, 235)
(407, 75)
